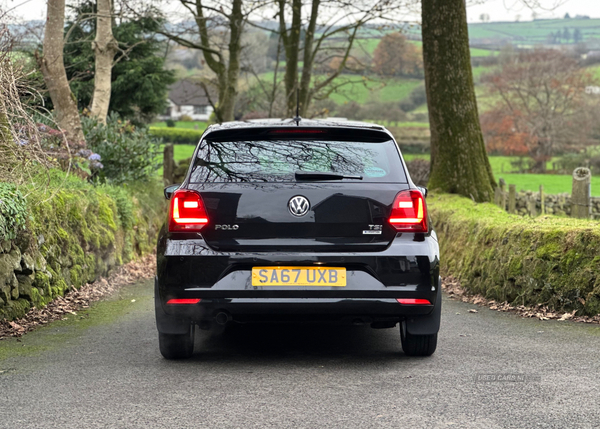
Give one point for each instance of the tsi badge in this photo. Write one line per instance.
(227, 227)
(373, 230)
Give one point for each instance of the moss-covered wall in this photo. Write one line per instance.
(547, 260)
(74, 235)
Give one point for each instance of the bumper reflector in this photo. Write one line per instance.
(412, 301)
(183, 301)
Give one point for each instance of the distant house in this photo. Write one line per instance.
(187, 97)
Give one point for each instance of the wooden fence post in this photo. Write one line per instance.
(581, 193)
(168, 165)
(531, 205)
(542, 202)
(502, 193)
(512, 198)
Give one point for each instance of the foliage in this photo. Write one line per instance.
(547, 260)
(13, 211)
(68, 155)
(590, 157)
(416, 98)
(502, 135)
(396, 56)
(543, 107)
(170, 123)
(77, 232)
(139, 79)
(129, 153)
(388, 112)
(176, 135)
(418, 169)
(186, 118)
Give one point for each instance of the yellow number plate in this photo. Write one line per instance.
(298, 276)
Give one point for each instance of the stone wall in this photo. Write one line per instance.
(559, 204)
(551, 261)
(73, 238)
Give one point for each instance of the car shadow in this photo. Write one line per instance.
(300, 343)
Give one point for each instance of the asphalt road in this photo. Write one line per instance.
(103, 369)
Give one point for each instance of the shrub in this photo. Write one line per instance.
(13, 211)
(128, 153)
(589, 158)
(416, 98)
(419, 171)
(186, 118)
(170, 123)
(176, 135)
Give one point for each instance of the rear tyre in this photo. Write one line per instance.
(417, 345)
(177, 346)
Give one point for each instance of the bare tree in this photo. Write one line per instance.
(105, 46)
(51, 64)
(217, 32)
(543, 94)
(330, 29)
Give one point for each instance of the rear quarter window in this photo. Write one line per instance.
(279, 160)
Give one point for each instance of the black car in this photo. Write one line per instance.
(297, 221)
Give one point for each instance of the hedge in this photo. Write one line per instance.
(177, 135)
(75, 232)
(547, 260)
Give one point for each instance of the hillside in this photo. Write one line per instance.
(496, 34)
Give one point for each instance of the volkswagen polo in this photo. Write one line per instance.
(297, 221)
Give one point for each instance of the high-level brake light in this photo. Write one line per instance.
(187, 212)
(297, 131)
(409, 212)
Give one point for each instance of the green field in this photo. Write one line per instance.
(368, 46)
(362, 90)
(533, 32)
(553, 183)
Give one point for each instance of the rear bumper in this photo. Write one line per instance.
(408, 268)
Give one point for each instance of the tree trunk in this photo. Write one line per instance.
(105, 47)
(53, 69)
(459, 163)
(304, 90)
(227, 105)
(291, 44)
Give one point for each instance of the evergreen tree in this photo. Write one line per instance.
(139, 79)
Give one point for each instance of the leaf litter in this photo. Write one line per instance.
(80, 299)
(453, 288)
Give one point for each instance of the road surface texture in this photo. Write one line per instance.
(102, 369)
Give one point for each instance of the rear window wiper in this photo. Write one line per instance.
(306, 175)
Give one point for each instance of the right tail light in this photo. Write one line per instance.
(409, 212)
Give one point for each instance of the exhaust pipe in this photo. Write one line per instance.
(222, 318)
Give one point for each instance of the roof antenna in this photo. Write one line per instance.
(297, 119)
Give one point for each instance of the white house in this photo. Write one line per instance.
(187, 97)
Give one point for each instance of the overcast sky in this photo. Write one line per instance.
(498, 10)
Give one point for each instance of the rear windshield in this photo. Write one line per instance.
(279, 160)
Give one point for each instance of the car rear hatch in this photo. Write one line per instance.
(313, 190)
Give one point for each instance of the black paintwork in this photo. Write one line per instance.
(255, 228)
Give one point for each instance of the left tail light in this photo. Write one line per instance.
(409, 212)
(187, 212)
